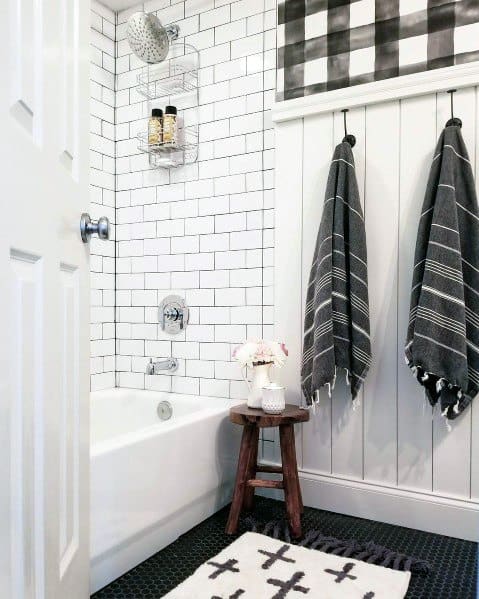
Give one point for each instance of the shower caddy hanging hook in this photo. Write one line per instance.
(453, 122)
(350, 139)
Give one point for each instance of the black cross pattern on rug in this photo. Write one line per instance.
(228, 566)
(235, 595)
(342, 574)
(274, 557)
(285, 586)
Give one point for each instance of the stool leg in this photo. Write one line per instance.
(241, 477)
(291, 487)
(300, 496)
(249, 491)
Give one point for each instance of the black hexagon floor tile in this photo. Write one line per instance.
(453, 562)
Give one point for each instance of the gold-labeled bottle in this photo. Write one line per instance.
(155, 129)
(170, 126)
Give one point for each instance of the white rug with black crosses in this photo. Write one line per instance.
(259, 567)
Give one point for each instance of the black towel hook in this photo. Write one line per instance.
(350, 139)
(453, 122)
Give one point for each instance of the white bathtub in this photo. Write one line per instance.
(153, 480)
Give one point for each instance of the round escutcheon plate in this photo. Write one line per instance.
(173, 314)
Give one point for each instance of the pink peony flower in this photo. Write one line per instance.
(260, 351)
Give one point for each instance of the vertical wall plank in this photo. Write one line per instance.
(452, 448)
(475, 403)
(318, 148)
(347, 423)
(418, 139)
(382, 215)
(288, 250)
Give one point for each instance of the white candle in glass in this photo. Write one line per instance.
(273, 401)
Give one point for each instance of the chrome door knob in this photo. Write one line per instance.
(89, 227)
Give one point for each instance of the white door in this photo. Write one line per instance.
(44, 299)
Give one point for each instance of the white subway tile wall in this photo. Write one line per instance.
(202, 231)
(102, 194)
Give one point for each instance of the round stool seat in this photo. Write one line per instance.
(291, 415)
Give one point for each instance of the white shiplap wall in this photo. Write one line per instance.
(392, 459)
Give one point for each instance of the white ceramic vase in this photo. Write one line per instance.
(259, 379)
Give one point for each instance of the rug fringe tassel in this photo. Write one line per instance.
(367, 552)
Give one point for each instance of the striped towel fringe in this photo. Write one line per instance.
(431, 382)
(315, 399)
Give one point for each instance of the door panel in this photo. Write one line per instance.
(25, 68)
(69, 88)
(44, 300)
(69, 424)
(26, 426)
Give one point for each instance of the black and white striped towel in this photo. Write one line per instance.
(442, 345)
(336, 324)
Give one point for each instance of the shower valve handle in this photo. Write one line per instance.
(173, 314)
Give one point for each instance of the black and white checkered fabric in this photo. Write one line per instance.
(331, 44)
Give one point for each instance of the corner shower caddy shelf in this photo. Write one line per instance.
(175, 81)
(166, 154)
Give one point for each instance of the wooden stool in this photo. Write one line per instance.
(246, 482)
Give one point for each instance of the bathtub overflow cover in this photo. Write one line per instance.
(164, 410)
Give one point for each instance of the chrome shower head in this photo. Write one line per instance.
(147, 37)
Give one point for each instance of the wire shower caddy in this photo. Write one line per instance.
(172, 82)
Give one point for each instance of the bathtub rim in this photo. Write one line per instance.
(131, 438)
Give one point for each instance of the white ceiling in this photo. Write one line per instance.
(120, 4)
